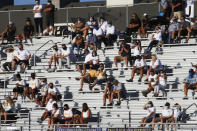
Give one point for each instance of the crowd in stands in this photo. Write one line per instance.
(89, 36)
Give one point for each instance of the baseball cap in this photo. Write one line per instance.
(10, 22)
(145, 14)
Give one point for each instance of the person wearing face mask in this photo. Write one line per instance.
(78, 26)
(53, 91)
(34, 85)
(67, 115)
(37, 10)
(98, 32)
(9, 32)
(78, 42)
(10, 56)
(21, 57)
(194, 28)
(172, 30)
(150, 115)
(166, 115)
(103, 24)
(55, 117)
(49, 10)
(176, 114)
(140, 65)
(156, 38)
(110, 35)
(66, 55)
(54, 58)
(184, 29)
(153, 80)
(92, 39)
(27, 31)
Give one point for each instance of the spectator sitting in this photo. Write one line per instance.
(117, 87)
(66, 55)
(150, 116)
(153, 80)
(103, 24)
(49, 10)
(101, 76)
(140, 65)
(53, 91)
(92, 40)
(20, 88)
(134, 24)
(110, 35)
(194, 28)
(184, 29)
(91, 58)
(173, 30)
(28, 31)
(144, 26)
(34, 85)
(136, 50)
(167, 9)
(176, 114)
(190, 82)
(3, 113)
(77, 42)
(48, 109)
(88, 77)
(124, 52)
(156, 38)
(21, 57)
(98, 32)
(41, 99)
(107, 93)
(89, 26)
(177, 7)
(9, 107)
(155, 64)
(68, 115)
(55, 117)
(85, 114)
(78, 26)
(54, 57)
(7, 66)
(166, 115)
(9, 32)
(162, 84)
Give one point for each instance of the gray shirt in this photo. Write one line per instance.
(173, 26)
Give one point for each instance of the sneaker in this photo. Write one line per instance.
(185, 98)
(110, 104)
(90, 87)
(146, 80)
(130, 80)
(104, 104)
(77, 78)
(80, 89)
(144, 93)
(139, 80)
(118, 104)
(39, 120)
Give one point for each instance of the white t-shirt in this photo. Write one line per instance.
(152, 79)
(34, 83)
(65, 52)
(140, 63)
(157, 36)
(98, 32)
(10, 56)
(44, 88)
(56, 113)
(156, 63)
(22, 54)
(162, 81)
(68, 113)
(167, 112)
(89, 57)
(176, 113)
(91, 24)
(22, 82)
(54, 90)
(110, 30)
(49, 105)
(136, 52)
(150, 110)
(37, 15)
(103, 26)
(56, 52)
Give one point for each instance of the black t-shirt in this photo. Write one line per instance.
(50, 13)
(145, 22)
(125, 53)
(178, 8)
(28, 29)
(137, 21)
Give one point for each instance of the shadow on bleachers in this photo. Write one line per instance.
(68, 95)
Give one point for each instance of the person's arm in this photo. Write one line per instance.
(89, 113)
(166, 7)
(156, 82)
(152, 37)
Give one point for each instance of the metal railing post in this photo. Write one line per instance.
(127, 15)
(98, 122)
(29, 122)
(9, 18)
(34, 61)
(129, 118)
(4, 85)
(159, 7)
(67, 16)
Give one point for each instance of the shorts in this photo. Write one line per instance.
(194, 32)
(56, 120)
(90, 80)
(26, 62)
(27, 34)
(19, 90)
(149, 119)
(92, 39)
(49, 21)
(100, 81)
(184, 32)
(120, 58)
(63, 121)
(87, 66)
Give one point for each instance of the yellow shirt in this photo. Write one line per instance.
(101, 75)
(92, 73)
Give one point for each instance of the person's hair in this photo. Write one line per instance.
(55, 105)
(66, 105)
(18, 76)
(85, 107)
(9, 100)
(33, 75)
(151, 103)
(53, 97)
(94, 53)
(167, 104)
(1, 107)
(136, 16)
(20, 44)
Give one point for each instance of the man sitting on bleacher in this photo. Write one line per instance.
(107, 93)
(77, 42)
(190, 82)
(117, 88)
(184, 29)
(9, 32)
(54, 57)
(78, 26)
(66, 55)
(34, 85)
(110, 35)
(124, 53)
(53, 91)
(21, 57)
(90, 59)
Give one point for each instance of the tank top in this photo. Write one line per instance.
(162, 81)
(136, 51)
(85, 114)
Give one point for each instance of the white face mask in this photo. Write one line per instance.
(165, 107)
(148, 106)
(78, 21)
(48, 3)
